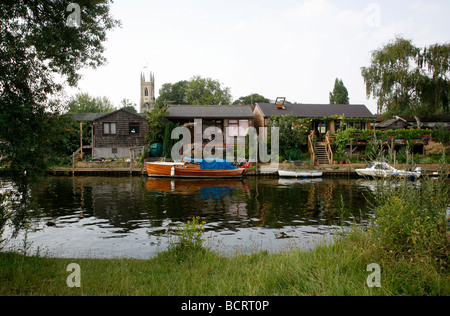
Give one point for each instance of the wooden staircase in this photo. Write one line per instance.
(322, 155)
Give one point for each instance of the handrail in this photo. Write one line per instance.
(311, 147)
(328, 147)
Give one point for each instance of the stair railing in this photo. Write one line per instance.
(311, 147)
(328, 148)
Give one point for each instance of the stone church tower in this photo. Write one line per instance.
(147, 92)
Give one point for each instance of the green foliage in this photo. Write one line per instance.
(157, 121)
(410, 221)
(38, 46)
(84, 103)
(196, 91)
(407, 79)
(339, 94)
(168, 142)
(190, 236)
(251, 99)
(293, 134)
(5, 214)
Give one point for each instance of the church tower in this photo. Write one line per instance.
(147, 92)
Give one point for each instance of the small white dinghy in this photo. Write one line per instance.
(299, 173)
(379, 169)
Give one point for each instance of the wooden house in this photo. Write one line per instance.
(264, 111)
(232, 120)
(115, 134)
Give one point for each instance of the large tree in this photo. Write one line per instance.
(84, 103)
(340, 93)
(41, 50)
(196, 91)
(408, 79)
(251, 99)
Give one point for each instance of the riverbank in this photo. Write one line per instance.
(342, 170)
(339, 269)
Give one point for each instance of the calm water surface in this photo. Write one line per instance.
(106, 217)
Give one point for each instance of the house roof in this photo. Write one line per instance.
(387, 123)
(316, 110)
(91, 117)
(210, 111)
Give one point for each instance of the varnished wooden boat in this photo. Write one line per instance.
(190, 170)
(160, 169)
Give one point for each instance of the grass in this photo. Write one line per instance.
(338, 269)
(408, 240)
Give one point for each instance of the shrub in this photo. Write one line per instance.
(190, 235)
(411, 222)
(434, 148)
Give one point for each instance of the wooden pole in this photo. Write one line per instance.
(81, 139)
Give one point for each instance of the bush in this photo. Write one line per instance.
(434, 148)
(190, 235)
(410, 221)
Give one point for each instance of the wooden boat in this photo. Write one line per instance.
(379, 169)
(194, 169)
(160, 169)
(300, 173)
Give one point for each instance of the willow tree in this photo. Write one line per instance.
(406, 78)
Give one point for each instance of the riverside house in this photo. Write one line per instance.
(264, 111)
(232, 120)
(115, 134)
(327, 119)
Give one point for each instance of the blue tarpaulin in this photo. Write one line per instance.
(212, 164)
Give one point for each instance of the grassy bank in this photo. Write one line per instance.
(408, 240)
(338, 269)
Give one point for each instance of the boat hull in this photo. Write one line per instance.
(189, 171)
(299, 174)
(384, 170)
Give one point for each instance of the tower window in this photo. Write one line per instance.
(146, 92)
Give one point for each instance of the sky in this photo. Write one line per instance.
(277, 48)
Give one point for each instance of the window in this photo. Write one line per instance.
(109, 128)
(146, 92)
(238, 128)
(233, 128)
(134, 128)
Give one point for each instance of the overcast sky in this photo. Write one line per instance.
(278, 48)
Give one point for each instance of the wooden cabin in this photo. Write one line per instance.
(115, 134)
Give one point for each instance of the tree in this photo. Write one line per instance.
(339, 94)
(407, 79)
(172, 94)
(251, 99)
(196, 91)
(293, 134)
(157, 121)
(84, 103)
(435, 91)
(40, 52)
(128, 105)
(201, 91)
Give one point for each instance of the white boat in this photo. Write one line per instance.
(379, 169)
(299, 173)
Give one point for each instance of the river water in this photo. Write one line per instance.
(137, 217)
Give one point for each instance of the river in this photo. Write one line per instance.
(136, 217)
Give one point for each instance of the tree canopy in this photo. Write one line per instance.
(84, 103)
(40, 52)
(409, 80)
(251, 99)
(339, 94)
(196, 91)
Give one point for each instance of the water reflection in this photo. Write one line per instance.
(134, 217)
